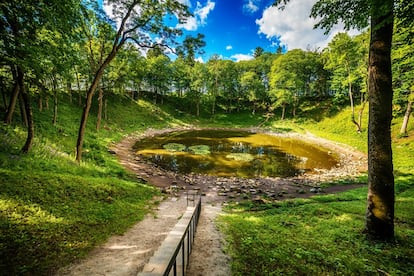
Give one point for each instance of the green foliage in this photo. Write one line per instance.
(52, 210)
(313, 238)
(323, 235)
(50, 218)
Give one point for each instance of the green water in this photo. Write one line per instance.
(233, 153)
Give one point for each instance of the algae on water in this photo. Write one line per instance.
(174, 147)
(247, 157)
(200, 149)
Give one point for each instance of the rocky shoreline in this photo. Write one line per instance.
(223, 189)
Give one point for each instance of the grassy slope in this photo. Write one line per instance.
(53, 210)
(323, 235)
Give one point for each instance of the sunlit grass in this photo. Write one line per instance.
(314, 237)
(323, 235)
(53, 210)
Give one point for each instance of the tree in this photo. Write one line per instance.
(282, 83)
(191, 46)
(158, 75)
(253, 87)
(343, 59)
(198, 78)
(258, 51)
(403, 68)
(180, 75)
(20, 24)
(213, 66)
(137, 21)
(379, 223)
(292, 77)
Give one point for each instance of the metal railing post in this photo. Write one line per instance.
(189, 235)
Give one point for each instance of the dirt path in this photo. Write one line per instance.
(126, 255)
(208, 257)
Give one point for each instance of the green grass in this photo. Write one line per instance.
(53, 210)
(319, 236)
(323, 235)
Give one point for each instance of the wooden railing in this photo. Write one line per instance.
(172, 257)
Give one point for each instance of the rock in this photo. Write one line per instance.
(316, 190)
(301, 191)
(259, 200)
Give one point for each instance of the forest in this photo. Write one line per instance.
(51, 59)
(74, 81)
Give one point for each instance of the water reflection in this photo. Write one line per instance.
(233, 153)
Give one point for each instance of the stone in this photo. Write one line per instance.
(301, 191)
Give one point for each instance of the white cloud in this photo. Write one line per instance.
(190, 25)
(200, 59)
(229, 47)
(202, 12)
(185, 2)
(239, 57)
(200, 16)
(293, 26)
(251, 6)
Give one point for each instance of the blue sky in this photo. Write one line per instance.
(234, 28)
(230, 27)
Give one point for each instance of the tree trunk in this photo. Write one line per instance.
(407, 115)
(360, 113)
(28, 110)
(351, 100)
(100, 106)
(22, 110)
(79, 90)
(283, 112)
(69, 88)
(40, 102)
(155, 95)
(3, 94)
(12, 104)
(55, 100)
(198, 106)
(106, 109)
(89, 96)
(47, 102)
(379, 222)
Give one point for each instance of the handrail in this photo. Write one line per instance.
(166, 259)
